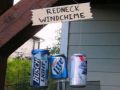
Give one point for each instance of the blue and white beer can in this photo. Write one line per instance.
(39, 74)
(78, 70)
(58, 65)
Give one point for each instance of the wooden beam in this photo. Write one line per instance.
(4, 5)
(19, 16)
(3, 65)
(19, 39)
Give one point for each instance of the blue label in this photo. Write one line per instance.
(58, 67)
(36, 72)
(83, 66)
(39, 75)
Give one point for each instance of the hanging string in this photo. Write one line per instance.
(75, 1)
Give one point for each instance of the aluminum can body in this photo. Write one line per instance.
(39, 74)
(78, 70)
(58, 65)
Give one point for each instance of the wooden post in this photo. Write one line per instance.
(3, 66)
(18, 17)
(4, 5)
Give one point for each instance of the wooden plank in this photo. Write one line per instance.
(96, 51)
(91, 85)
(94, 26)
(4, 5)
(111, 87)
(104, 65)
(3, 65)
(19, 16)
(95, 39)
(106, 79)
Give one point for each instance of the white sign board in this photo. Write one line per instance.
(61, 13)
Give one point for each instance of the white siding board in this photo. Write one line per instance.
(104, 65)
(95, 39)
(105, 78)
(94, 26)
(91, 85)
(97, 51)
(110, 87)
(99, 39)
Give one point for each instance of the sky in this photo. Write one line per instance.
(48, 33)
(15, 1)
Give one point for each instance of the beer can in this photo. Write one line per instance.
(58, 65)
(78, 70)
(39, 74)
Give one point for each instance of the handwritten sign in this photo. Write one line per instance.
(61, 13)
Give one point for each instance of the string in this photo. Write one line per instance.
(75, 1)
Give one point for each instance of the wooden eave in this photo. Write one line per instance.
(5, 5)
(16, 21)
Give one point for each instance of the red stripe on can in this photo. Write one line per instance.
(82, 58)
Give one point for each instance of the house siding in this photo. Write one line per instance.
(99, 38)
(25, 49)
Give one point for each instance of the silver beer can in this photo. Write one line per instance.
(78, 70)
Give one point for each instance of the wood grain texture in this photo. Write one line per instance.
(4, 5)
(19, 16)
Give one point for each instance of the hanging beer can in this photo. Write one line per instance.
(39, 74)
(78, 70)
(58, 66)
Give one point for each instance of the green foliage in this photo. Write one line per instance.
(56, 48)
(18, 73)
(18, 76)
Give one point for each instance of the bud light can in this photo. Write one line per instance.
(39, 76)
(58, 67)
(78, 70)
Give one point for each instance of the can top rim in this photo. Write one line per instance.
(79, 54)
(58, 54)
(39, 50)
